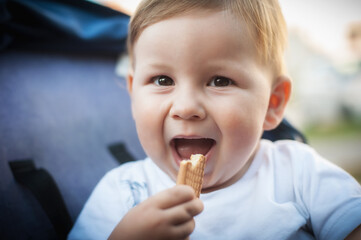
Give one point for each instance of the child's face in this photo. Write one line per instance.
(198, 87)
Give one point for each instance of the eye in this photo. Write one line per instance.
(163, 81)
(220, 82)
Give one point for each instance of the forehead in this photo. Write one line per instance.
(215, 28)
(214, 17)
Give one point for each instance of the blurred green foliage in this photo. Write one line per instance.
(347, 130)
(340, 129)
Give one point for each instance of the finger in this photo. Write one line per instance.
(183, 231)
(185, 211)
(174, 196)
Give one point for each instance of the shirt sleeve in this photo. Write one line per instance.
(111, 199)
(332, 197)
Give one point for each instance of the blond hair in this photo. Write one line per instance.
(264, 17)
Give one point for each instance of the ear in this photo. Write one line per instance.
(130, 82)
(130, 89)
(280, 95)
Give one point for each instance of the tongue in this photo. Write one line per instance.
(187, 147)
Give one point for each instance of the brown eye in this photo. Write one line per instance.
(163, 81)
(220, 82)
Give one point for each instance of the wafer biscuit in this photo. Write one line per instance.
(191, 172)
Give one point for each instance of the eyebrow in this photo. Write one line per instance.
(158, 65)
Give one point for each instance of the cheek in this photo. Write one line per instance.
(246, 117)
(142, 114)
(242, 126)
(239, 130)
(149, 119)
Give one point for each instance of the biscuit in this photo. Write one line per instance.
(191, 172)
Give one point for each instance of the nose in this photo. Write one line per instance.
(187, 105)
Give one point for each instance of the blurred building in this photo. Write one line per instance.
(352, 97)
(323, 93)
(354, 39)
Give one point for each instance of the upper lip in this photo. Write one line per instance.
(188, 137)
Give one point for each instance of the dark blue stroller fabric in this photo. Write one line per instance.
(64, 25)
(284, 131)
(69, 114)
(62, 111)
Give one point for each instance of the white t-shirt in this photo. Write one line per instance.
(289, 192)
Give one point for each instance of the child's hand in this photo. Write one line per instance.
(166, 215)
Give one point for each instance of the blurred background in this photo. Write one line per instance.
(323, 59)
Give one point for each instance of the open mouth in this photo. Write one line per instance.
(186, 147)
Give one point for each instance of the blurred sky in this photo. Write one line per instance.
(324, 23)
